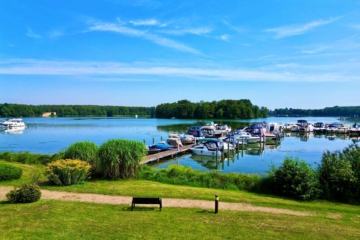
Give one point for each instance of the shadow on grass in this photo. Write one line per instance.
(140, 209)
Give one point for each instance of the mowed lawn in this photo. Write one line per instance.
(74, 220)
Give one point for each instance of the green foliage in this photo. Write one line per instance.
(184, 175)
(339, 174)
(231, 109)
(17, 110)
(67, 172)
(8, 172)
(30, 158)
(296, 179)
(120, 158)
(325, 112)
(85, 151)
(27, 193)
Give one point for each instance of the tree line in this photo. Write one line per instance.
(351, 111)
(229, 109)
(23, 110)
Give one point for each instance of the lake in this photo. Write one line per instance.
(50, 135)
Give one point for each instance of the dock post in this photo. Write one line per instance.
(153, 141)
(161, 139)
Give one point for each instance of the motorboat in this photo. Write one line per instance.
(222, 129)
(186, 138)
(163, 146)
(332, 128)
(343, 129)
(209, 132)
(288, 126)
(13, 123)
(15, 130)
(174, 140)
(196, 132)
(304, 126)
(207, 147)
(319, 127)
(273, 127)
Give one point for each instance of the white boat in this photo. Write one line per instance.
(273, 127)
(304, 126)
(246, 137)
(187, 138)
(13, 123)
(174, 140)
(319, 127)
(222, 129)
(332, 128)
(288, 126)
(15, 130)
(208, 147)
(343, 129)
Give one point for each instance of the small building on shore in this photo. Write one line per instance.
(49, 114)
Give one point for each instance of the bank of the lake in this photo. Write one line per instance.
(50, 135)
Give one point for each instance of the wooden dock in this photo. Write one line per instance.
(168, 153)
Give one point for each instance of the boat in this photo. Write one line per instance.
(331, 128)
(343, 129)
(187, 138)
(319, 127)
(196, 132)
(273, 127)
(222, 129)
(163, 146)
(288, 126)
(209, 131)
(207, 147)
(174, 140)
(15, 130)
(304, 126)
(13, 123)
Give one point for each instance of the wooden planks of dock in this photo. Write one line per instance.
(172, 152)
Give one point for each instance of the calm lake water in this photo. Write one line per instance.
(49, 135)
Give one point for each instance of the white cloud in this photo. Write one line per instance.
(292, 30)
(31, 34)
(224, 37)
(148, 22)
(316, 50)
(195, 31)
(147, 72)
(110, 27)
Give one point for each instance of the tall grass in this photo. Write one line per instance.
(120, 158)
(85, 151)
(30, 158)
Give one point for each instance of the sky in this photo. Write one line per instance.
(276, 53)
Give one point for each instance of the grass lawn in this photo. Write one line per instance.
(70, 220)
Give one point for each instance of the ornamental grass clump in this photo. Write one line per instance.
(27, 193)
(85, 151)
(65, 172)
(120, 158)
(8, 172)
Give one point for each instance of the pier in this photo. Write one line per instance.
(168, 153)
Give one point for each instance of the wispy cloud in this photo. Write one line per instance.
(195, 31)
(316, 50)
(148, 72)
(224, 37)
(121, 29)
(292, 30)
(147, 22)
(356, 26)
(55, 34)
(237, 29)
(31, 34)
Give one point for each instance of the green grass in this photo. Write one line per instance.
(72, 220)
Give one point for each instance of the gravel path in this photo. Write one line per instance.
(167, 202)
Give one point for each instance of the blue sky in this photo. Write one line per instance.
(286, 53)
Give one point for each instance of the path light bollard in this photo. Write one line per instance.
(216, 203)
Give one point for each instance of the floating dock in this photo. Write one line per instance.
(168, 153)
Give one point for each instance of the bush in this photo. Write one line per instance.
(119, 158)
(296, 179)
(85, 151)
(339, 174)
(27, 193)
(29, 158)
(67, 172)
(8, 172)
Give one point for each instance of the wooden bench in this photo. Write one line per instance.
(146, 200)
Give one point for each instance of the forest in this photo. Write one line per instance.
(23, 110)
(350, 112)
(224, 109)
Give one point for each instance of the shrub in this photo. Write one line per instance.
(29, 158)
(296, 179)
(67, 172)
(85, 151)
(339, 174)
(8, 172)
(119, 158)
(27, 193)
